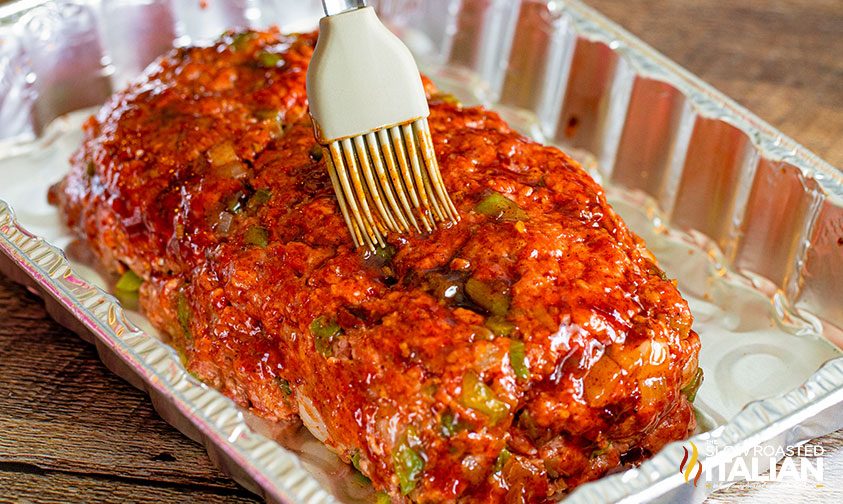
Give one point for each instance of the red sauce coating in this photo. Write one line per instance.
(203, 179)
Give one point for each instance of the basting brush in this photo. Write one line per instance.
(370, 113)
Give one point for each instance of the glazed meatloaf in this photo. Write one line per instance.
(531, 347)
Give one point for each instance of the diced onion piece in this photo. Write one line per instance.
(500, 207)
(652, 391)
(479, 396)
(224, 222)
(275, 120)
(129, 282)
(494, 300)
(602, 382)
(222, 154)
(311, 418)
(408, 467)
(232, 170)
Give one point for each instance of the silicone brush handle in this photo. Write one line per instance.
(333, 7)
(361, 78)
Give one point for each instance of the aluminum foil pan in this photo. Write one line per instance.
(748, 221)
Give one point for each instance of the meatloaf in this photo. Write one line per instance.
(531, 347)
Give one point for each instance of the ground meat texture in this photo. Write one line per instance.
(530, 348)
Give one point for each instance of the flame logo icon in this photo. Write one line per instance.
(686, 467)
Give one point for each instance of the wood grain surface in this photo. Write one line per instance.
(72, 431)
(780, 59)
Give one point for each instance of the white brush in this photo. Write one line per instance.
(370, 114)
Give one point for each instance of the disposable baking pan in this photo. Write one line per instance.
(748, 221)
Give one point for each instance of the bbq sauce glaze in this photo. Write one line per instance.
(531, 347)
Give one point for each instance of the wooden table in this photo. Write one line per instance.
(71, 431)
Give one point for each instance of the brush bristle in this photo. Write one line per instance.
(389, 181)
